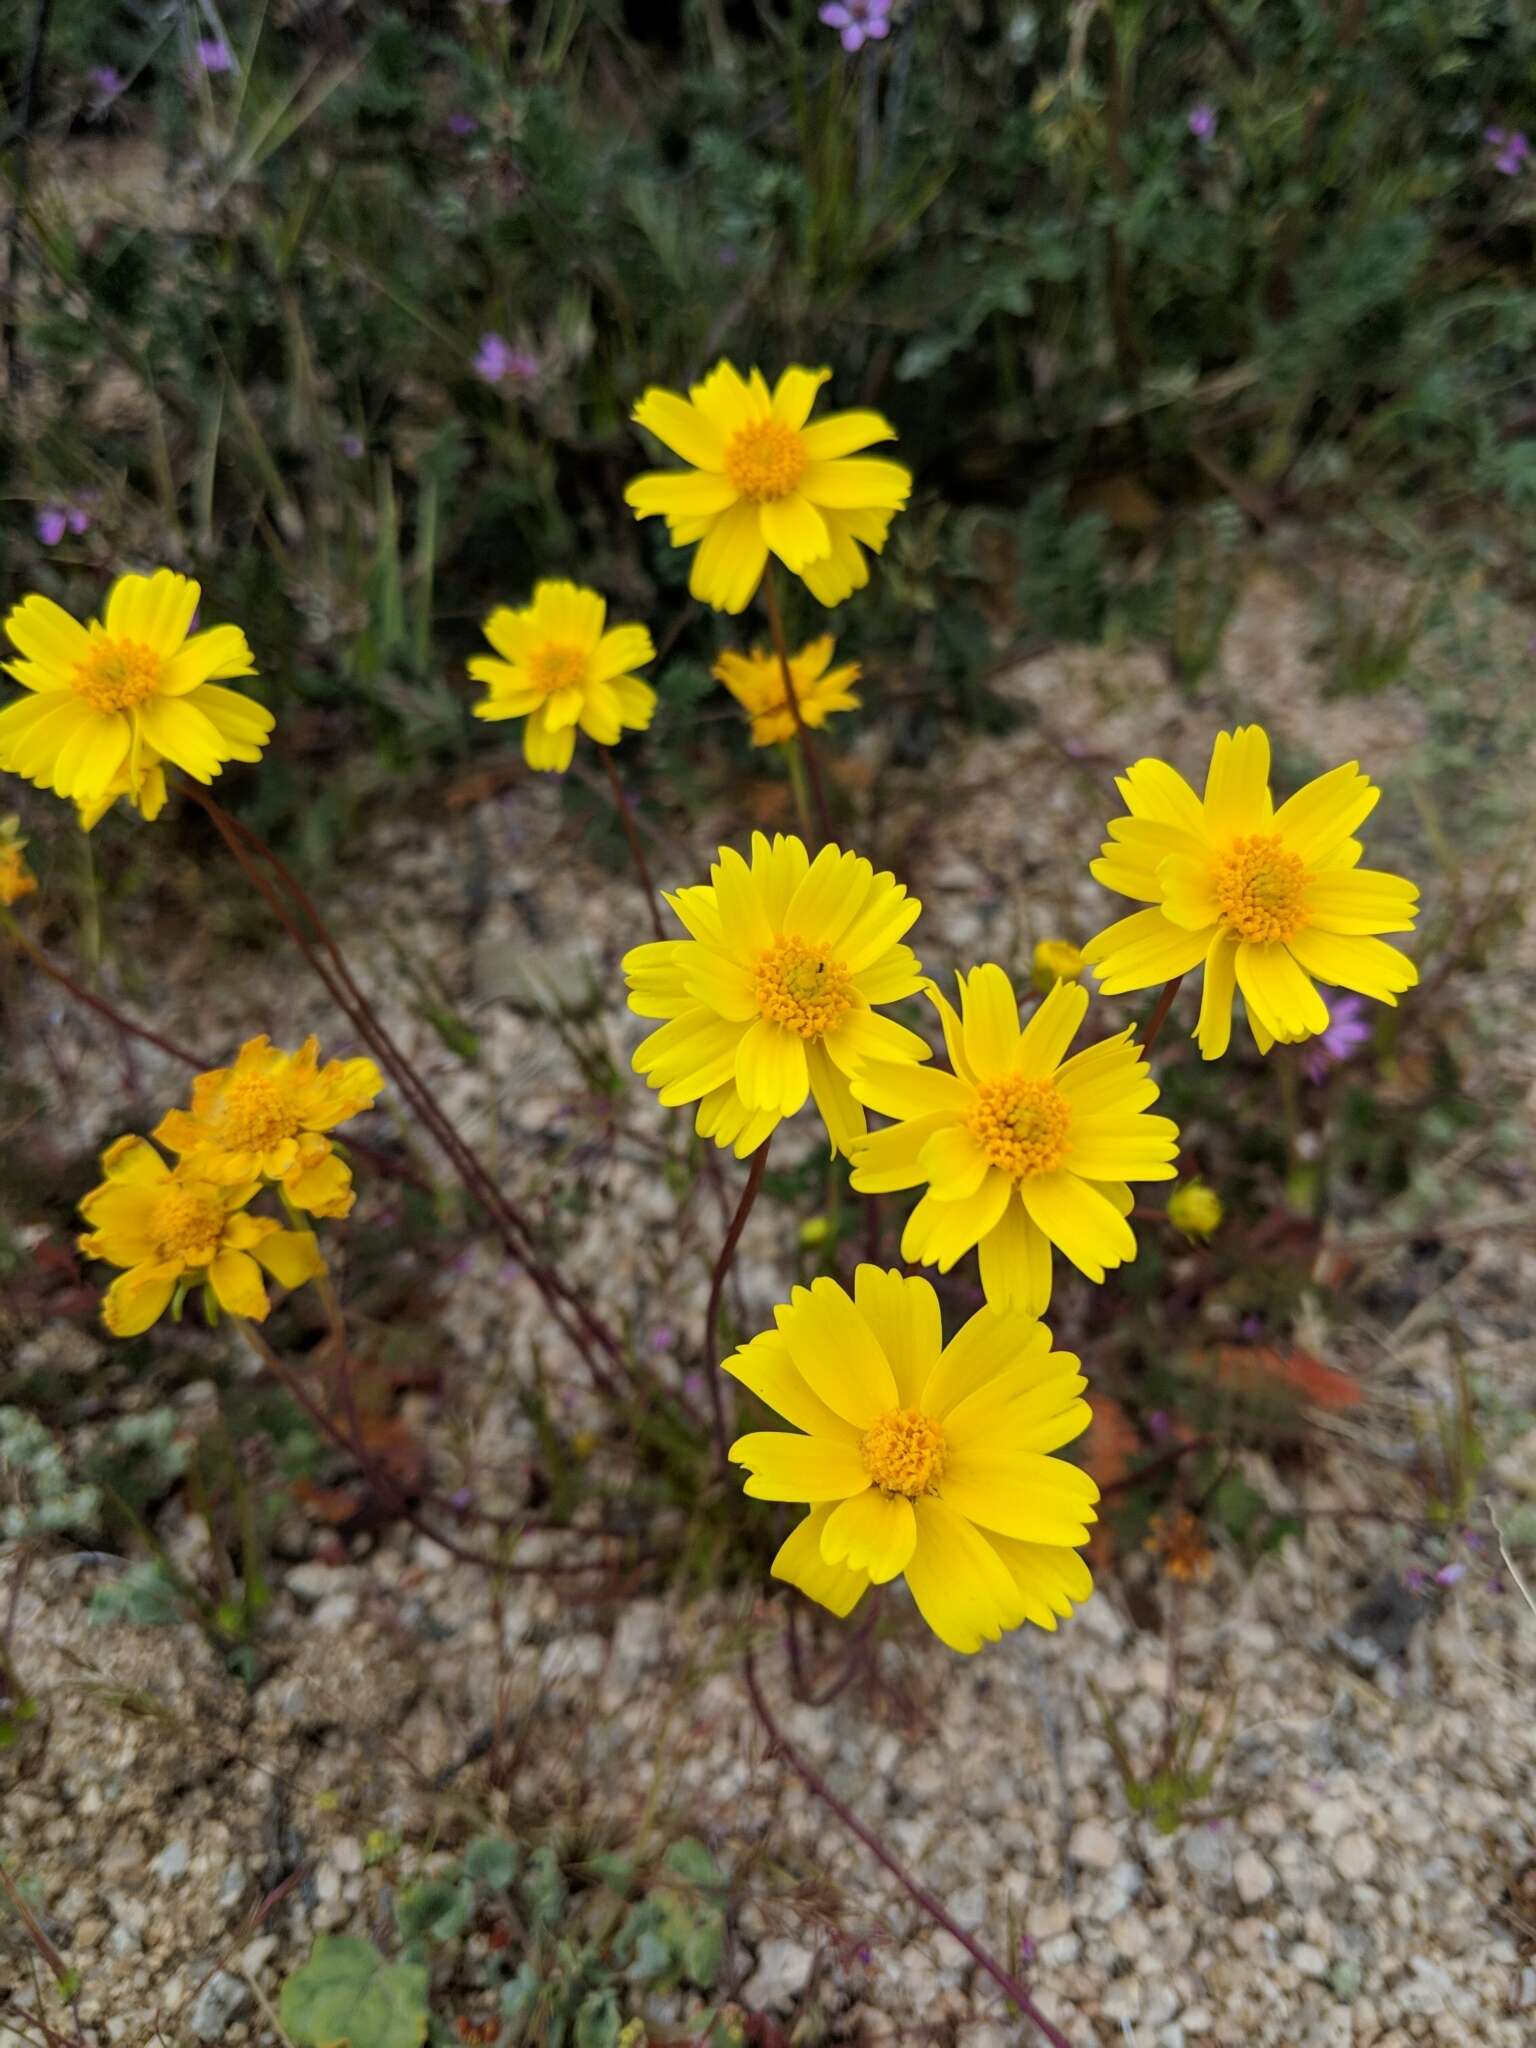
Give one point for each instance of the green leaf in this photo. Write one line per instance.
(439, 1908)
(692, 1862)
(598, 2021)
(347, 1992)
(491, 1862)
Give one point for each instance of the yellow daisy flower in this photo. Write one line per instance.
(16, 878)
(172, 1227)
(561, 670)
(266, 1118)
(922, 1458)
(762, 478)
(1269, 900)
(756, 681)
(1020, 1152)
(109, 701)
(771, 998)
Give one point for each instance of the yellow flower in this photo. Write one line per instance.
(265, 1118)
(772, 996)
(1269, 900)
(562, 670)
(756, 681)
(16, 878)
(921, 1457)
(762, 479)
(142, 782)
(108, 702)
(1055, 960)
(1020, 1152)
(1195, 1209)
(174, 1226)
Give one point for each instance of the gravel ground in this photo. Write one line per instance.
(1355, 1874)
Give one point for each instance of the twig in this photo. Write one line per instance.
(1006, 1982)
(54, 972)
(1509, 1563)
(717, 1286)
(632, 834)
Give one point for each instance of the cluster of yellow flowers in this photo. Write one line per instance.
(913, 1457)
(263, 1122)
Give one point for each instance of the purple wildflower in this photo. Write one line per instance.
(213, 53)
(1202, 121)
(107, 80)
(1450, 1574)
(663, 1337)
(1159, 1424)
(351, 446)
(462, 124)
(498, 362)
(77, 519)
(1348, 1029)
(461, 1500)
(1415, 1579)
(1513, 149)
(52, 524)
(857, 21)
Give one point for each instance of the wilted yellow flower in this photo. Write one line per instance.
(16, 878)
(921, 1457)
(1055, 960)
(1178, 1542)
(1195, 1209)
(266, 1118)
(756, 681)
(772, 997)
(1020, 1151)
(561, 671)
(763, 479)
(108, 702)
(1269, 900)
(173, 1226)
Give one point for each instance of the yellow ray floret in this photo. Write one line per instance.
(268, 1117)
(108, 703)
(766, 478)
(772, 997)
(1270, 901)
(560, 670)
(1021, 1148)
(756, 681)
(922, 1459)
(172, 1228)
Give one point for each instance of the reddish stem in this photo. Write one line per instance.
(1006, 1982)
(1159, 1016)
(717, 1288)
(632, 833)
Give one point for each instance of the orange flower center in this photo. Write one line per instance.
(117, 674)
(903, 1452)
(796, 985)
(188, 1223)
(255, 1114)
(555, 666)
(765, 460)
(1022, 1126)
(1260, 887)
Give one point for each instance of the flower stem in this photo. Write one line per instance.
(803, 740)
(1008, 1984)
(326, 960)
(717, 1287)
(1159, 1016)
(44, 965)
(632, 834)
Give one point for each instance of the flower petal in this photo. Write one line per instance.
(836, 1352)
(788, 1467)
(801, 1564)
(963, 1590)
(903, 1313)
